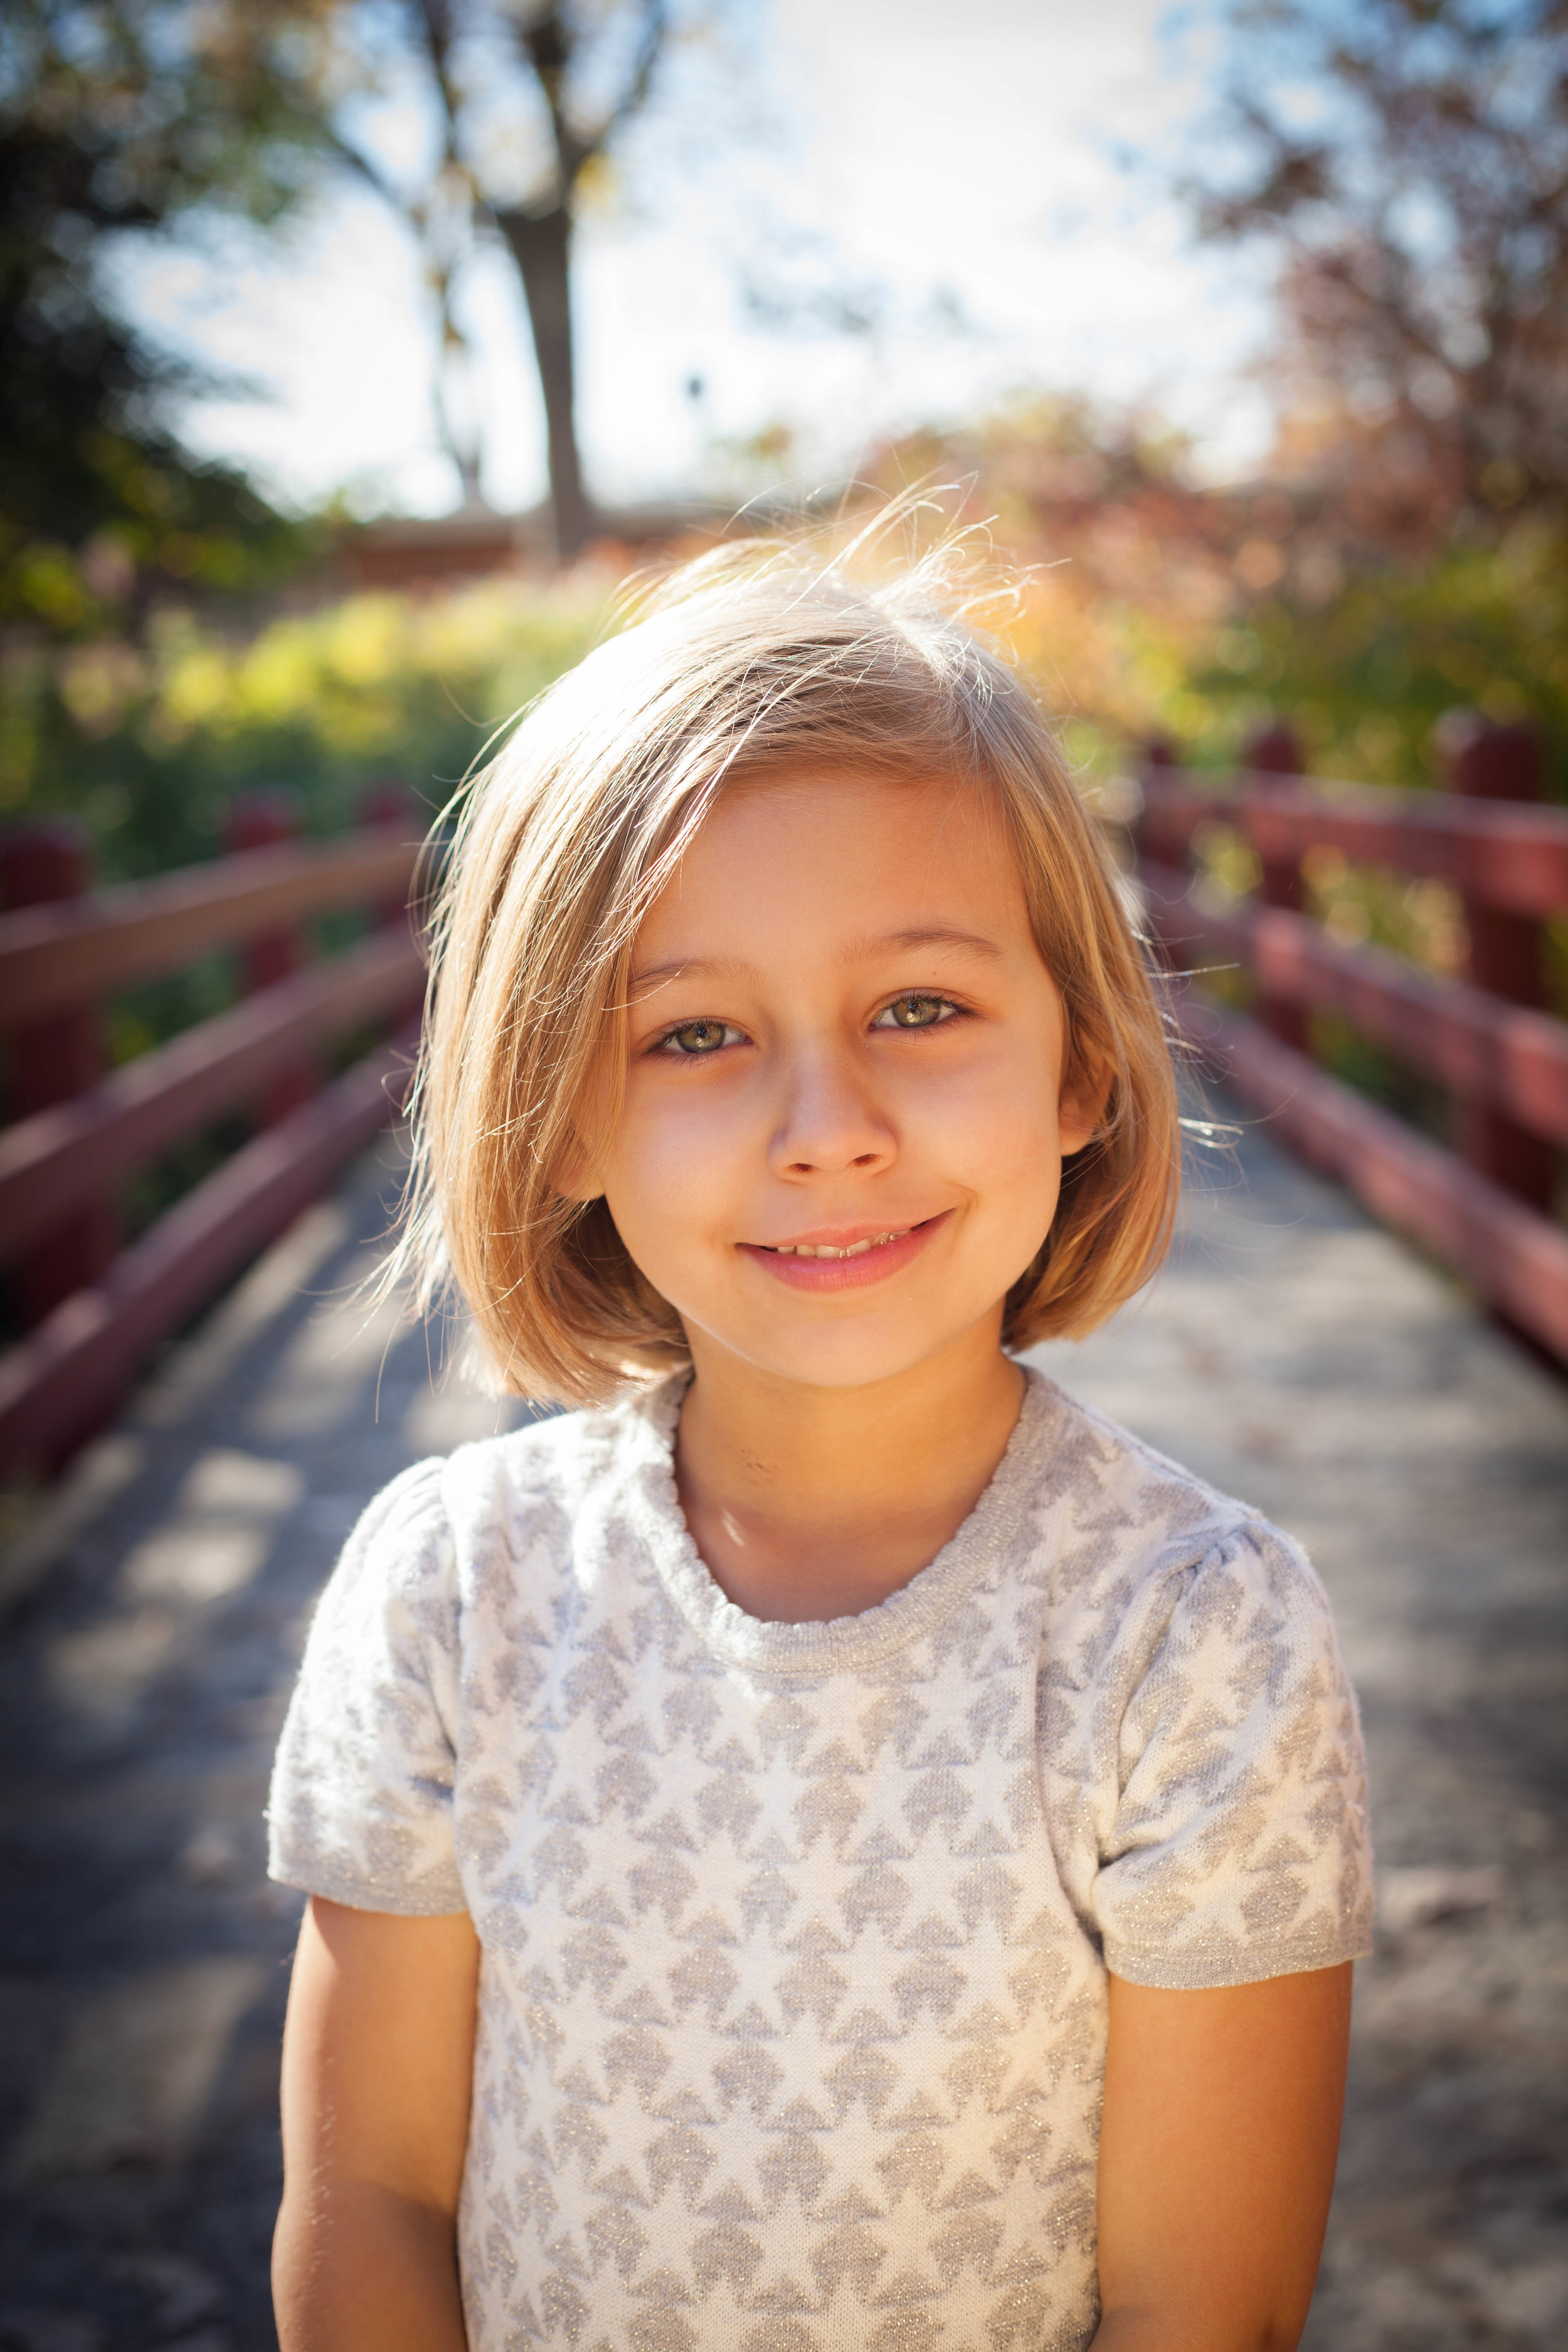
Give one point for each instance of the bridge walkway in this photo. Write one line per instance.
(1293, 1353)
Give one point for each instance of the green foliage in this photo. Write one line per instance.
(1367, 674)
(148, 744)
(120, 119)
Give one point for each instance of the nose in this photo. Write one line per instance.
(829, 1120)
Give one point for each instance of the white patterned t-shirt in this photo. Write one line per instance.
(792, 2004)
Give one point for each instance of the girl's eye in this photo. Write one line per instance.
(695, 1038)
(915, 1012)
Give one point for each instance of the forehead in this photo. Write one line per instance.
(896, 829)
(822, 855)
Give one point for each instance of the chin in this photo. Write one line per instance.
(841, 1358)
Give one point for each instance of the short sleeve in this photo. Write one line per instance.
(361, 1808)
(1239, 1848)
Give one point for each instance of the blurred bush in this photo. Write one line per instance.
(148, 742)
(1368, 665)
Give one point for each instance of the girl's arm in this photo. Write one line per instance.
(1216, 2160)
(377, 2060)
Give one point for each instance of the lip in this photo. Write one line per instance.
(876, 1264)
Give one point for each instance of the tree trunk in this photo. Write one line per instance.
(540, 244)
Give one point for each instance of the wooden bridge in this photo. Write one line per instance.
(1296, 1351)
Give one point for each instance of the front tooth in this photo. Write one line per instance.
(857, 1249)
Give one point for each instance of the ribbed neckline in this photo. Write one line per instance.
(827, 1646)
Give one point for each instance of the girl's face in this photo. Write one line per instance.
(844, 1130)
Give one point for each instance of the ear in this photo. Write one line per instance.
(1082, 1106)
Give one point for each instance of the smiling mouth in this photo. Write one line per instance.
(845, 1265)
(826, 1249)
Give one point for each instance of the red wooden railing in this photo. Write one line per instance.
(1485, 1208)
(96, 1310)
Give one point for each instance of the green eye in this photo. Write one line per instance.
(696, 1037)
(913, 1012)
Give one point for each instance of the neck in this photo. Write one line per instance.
(809, 1503)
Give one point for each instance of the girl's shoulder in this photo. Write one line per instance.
(558, 1459)
(1133, 1535)
(519, 1494)
(1199, 1737)
(449, 1552)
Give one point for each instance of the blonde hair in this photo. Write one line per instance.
(754, 659)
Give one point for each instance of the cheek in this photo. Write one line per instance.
(1005, 1147)
(674, 1153)
(991, 1122)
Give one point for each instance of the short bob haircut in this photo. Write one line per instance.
(752, 661)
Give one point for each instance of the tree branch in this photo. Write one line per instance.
(655, 25)
(436, 18)
(371, 174)
(550, 52)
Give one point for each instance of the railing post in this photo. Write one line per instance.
(258, 821)
(388, 801)
(1503, 763)
(1276, 752)
(51, 1060)
(1153, 834)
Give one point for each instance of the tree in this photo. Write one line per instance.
(1407, 163)
(119, 119)
(531, 100)
(122, 119)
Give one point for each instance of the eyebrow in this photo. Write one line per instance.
(923, 935)
(929, 935)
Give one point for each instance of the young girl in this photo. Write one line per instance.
(830, 1846)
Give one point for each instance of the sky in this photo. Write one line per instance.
(958, 166)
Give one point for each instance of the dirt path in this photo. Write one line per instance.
(1293, 1354)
